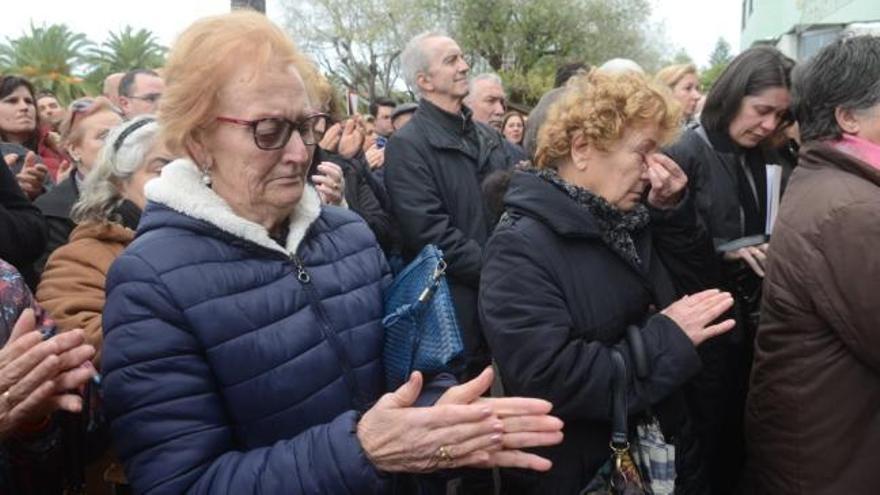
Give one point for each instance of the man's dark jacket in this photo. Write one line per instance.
(434, 167)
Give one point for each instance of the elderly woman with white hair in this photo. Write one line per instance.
(107, 214)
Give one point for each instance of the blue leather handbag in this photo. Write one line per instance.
(421, 329)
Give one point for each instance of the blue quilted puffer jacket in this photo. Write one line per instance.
(235, 365)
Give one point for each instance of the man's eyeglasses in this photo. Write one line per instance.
(273, 133)
(150, 97)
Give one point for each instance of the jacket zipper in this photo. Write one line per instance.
(305, 279)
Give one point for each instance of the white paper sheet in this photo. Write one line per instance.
(774, 186)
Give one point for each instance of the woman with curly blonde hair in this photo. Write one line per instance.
(580, 256)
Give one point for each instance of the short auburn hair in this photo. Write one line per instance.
(600, 107)
(205, 56)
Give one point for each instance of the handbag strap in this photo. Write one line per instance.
(637, 351)
(619, 427)
(422, 303)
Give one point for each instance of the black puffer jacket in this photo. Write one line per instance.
(554, 301)
(434, 167)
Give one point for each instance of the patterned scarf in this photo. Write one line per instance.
(616, 227)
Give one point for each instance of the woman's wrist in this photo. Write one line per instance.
(360, 436)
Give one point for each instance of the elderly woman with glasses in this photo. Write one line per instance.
(82, 134)
(242, 329)
(813, 410)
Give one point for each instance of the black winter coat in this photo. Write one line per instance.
(434, 167)
(723, 197)
(22, 227)
(715, 181)
(554, 301)
(361, 195)
(56, 205)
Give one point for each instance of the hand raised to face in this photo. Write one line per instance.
(668, 181)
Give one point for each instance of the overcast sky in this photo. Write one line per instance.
(692, 25)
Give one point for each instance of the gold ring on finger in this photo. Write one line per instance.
(443, 453)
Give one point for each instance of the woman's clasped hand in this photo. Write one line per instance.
(463, 429)
(37, 377)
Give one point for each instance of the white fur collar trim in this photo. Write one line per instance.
(180, 188)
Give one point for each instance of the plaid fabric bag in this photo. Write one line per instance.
(655, 457)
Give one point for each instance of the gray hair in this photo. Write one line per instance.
(414, 60)
(486, 76)
(100, 193)
(620, 66)
(844, 74)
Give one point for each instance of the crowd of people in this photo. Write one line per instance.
(194, 264)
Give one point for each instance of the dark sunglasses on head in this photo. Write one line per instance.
(273, 133)
(82, 104)
(78, 107)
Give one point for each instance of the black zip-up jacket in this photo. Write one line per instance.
(729, 210)
(719, 185)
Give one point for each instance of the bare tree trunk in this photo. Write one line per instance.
(258, 5)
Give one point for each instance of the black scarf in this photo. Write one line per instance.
(616, 227)
(127, 213)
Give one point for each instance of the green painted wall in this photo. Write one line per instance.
(770, 19)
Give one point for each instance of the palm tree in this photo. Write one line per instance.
(49, 57)
(258, 5)
(126, 50)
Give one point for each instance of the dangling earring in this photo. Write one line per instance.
(75, 159)
(206, 178)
